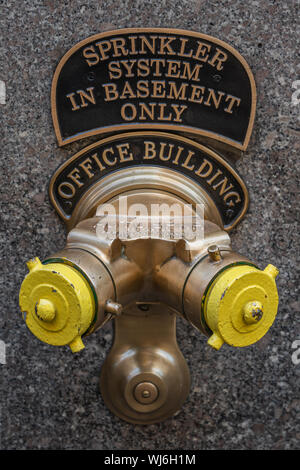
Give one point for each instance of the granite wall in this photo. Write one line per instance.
(244, 398)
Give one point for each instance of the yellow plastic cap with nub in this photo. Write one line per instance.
(57, 303)
(241, 305)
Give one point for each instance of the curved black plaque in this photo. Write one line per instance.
(166, 79)
(84, 169)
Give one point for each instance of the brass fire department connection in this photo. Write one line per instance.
(144, 284)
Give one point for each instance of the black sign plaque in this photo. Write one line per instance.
(154, 79)
(216, 176)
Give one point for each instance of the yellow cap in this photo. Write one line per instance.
(240, 305)
(57, 302)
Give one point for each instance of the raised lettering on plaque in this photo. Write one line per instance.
(163, 79)
(72, 180)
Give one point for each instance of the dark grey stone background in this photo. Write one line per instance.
(245, 398)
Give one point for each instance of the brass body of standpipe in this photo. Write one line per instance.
(144, 283)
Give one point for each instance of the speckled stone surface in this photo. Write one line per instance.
(244, 398)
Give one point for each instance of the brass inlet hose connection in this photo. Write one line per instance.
(238, 301)
(58, 303)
